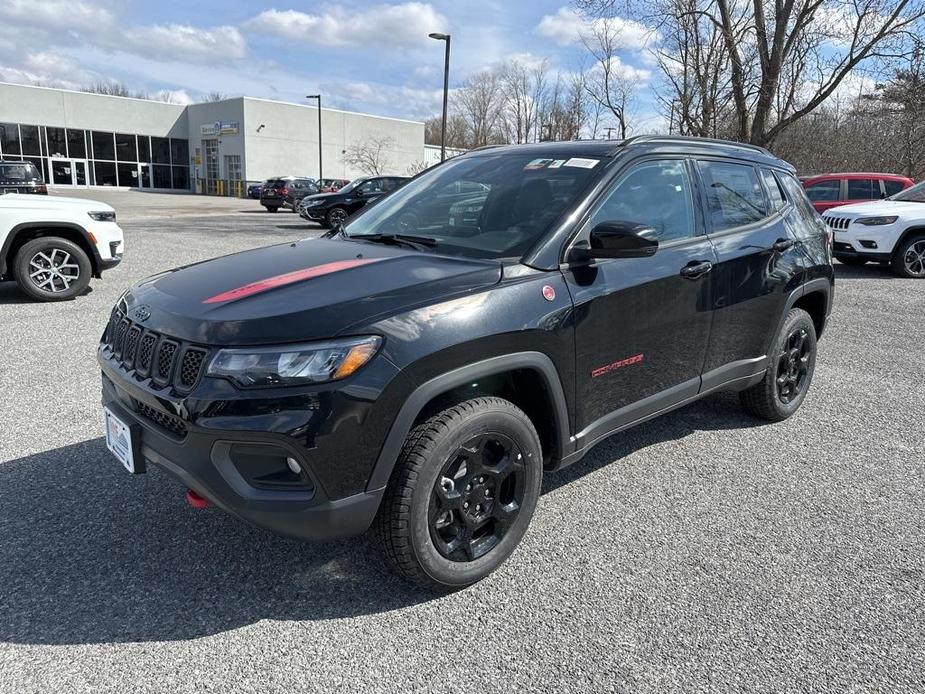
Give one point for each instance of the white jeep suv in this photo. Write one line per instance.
(52, 246)
(886, 231)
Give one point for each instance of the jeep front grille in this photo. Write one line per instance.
(837, 223)
(173, 424)
(148, 354)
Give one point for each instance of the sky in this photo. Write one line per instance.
(362, 55)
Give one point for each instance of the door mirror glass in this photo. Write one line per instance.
(619, 239)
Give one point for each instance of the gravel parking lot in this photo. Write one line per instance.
(704, 551)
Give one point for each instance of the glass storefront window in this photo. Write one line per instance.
(181, 177)
(179, 151)
(128, 174)
(160, 150)
(103, 147)
(105, 171)
(161, 175)
(9, 140)
(57, 142)
(76, 149)
(144, 148)
(125, 147)
(30, 139)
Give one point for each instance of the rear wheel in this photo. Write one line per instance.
(786, 382)
(462, 494)
(909, 258)
(52, 269)
(268, 208)
(849, 260)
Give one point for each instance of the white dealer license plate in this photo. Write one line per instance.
(120, 443)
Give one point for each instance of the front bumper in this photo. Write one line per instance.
(202, 455)
(870, 242)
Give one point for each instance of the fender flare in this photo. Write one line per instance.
(820, 284)
(424, 393)
(95, 259)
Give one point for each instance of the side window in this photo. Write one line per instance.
(772, 186)
(801, 204)
(863, 189)
(824, 191)
(893, 187)
(654, 193)
(734, 196)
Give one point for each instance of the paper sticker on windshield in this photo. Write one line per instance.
(582, 163)
(556, 163)
(537, 164)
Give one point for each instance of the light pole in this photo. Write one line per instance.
(446, 89)
(318, 96)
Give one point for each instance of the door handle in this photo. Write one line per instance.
(696, 269)
(782, 245)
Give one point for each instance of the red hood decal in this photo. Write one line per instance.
(288, 278)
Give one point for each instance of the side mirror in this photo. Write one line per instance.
(618, 239)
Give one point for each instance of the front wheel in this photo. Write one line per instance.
(52, 269)
(909, 259)
(790, 371)
(462, 494)
(336, 217)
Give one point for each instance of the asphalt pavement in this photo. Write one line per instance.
(705, 551)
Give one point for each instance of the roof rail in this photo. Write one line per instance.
(688, 138)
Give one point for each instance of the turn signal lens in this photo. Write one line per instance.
(356, 357)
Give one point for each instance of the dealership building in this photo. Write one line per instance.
(83, 140)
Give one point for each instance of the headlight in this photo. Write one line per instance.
(876, 221)
(103, 216)
(294, 365)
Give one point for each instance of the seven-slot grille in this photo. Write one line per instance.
(168, 362)
(837, 223)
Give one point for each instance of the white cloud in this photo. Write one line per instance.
(59, 14)
(49, 69)
(416, 103)
(567, 26)
(181, 42)
(405, 25)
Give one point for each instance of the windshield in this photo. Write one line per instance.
(914, 194)
(485, 206)
(353, 184)
(18, 172)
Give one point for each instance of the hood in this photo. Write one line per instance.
(53, 201)
(879, 208)
(308, 290)
(321, 196)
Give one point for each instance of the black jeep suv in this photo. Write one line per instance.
(331, 209)
(419, 372)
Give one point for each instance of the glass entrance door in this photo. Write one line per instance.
(144, 175)
(68, 172)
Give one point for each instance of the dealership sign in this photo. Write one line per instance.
(219, 128)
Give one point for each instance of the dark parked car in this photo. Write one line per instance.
(331, 209)
(420, 374)
(21, 177)
(286, 192)
(253, 190)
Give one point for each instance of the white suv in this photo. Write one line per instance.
(886, 231)
(52, 246)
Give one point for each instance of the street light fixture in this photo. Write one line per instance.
(318, 96)
(446, 88)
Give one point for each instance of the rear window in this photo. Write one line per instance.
(824, 191)
(734, 195)
(19, 172)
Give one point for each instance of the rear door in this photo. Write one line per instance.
(642, 324)
(862, 190)
(759, 263)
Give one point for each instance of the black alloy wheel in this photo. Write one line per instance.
(793, 366)
(336, 217)
(477, 497)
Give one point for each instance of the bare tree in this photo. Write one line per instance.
(782, 59)
(370, 156)
(479, 102)
(114, 89)
(212, 97)
(609, 82)
(522, 89)
(456, 131)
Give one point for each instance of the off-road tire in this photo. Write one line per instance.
(402, 528)
(765, 399)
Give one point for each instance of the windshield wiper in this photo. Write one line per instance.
(409, 240)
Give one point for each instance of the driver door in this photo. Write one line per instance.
(642, 325)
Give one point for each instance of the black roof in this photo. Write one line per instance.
(673, 143)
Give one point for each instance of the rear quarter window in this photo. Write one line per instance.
(893, 187)
(806, 213)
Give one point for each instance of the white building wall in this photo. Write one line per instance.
(62, 108)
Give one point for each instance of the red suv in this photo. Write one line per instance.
(831, 190)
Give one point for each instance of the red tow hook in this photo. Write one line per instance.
(196, 501)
